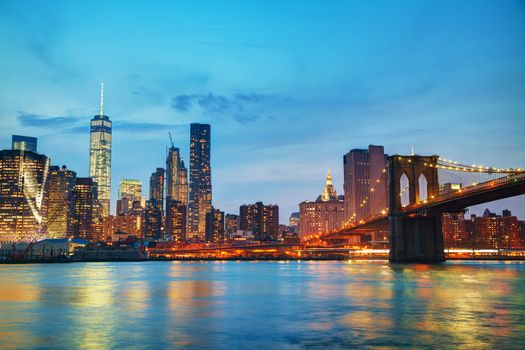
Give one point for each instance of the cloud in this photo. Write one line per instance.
(41, 121)
(242, 107)
(182, 103)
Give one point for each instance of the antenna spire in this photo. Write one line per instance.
(412, 147)
(102, 98)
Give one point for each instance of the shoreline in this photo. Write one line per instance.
(253, 259)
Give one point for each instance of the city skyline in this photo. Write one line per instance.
(274, 121)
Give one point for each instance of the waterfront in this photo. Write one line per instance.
(281, 305)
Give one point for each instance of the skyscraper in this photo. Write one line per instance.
(23, 195)
(61, 208)
(176, 177)
(23, 143)
(156, 189)
(200, 194)
(152, 221)
(100, 155)
(365, 183)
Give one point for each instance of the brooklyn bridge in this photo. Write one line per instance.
(420, 190)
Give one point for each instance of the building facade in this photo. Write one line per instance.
(176, 220)
(112, 225)
(23, 143)
(231, 224)
(61, 207)
(200, 190)
(23, 195)
(156, 189)
(262, 220)
(87, 223)
(214, 225)
(324, 215)
(100, 155)
(152, 221)
(130, 193)
(365, 183)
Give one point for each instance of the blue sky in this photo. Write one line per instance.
(288, 86)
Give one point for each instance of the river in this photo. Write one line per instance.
(263, 305)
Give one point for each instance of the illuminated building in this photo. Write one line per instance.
(294, 219)
(200, 193)
(23, 143)
(152, 220)
(364, 171)
(176, 177)
(324, 215)
(23, 195)
(262, 220)
(61, 207)
(100, 155)
(214, 225)
(454, 230)
(156, 189)
(86, 223)
(231, 223)
(130, 192)
(130, 224)
(494, 231)
(176, 219)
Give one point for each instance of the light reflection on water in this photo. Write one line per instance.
(289, 305)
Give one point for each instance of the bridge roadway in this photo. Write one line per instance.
(453, 202)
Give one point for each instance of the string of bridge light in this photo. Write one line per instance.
(365, 200)
(454, 165)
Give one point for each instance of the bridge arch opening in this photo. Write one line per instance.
(404, 190)
(423, 188)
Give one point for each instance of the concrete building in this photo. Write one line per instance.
(87, 222)
(132, 225)
(130, 193)
(324, 215)
(156, 189)
(152, 221)
(365, 183)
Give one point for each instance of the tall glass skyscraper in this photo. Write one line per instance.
(200, 179)
(23, 195)
(24, 143)
(176, 177)
(100, 155)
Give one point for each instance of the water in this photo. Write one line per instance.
(262, 305)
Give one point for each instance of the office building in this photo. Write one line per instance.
(324, 215)
(23, 195)
(214, 225)
(23, 143)
(61, 207)
(200, 190)
(131, 225)
(262, 220)
(176, 177)
(100, 155)
(231, 223)
(365, 183)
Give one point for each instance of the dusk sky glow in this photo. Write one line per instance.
(287, 86)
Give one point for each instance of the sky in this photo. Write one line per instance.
(288, 87)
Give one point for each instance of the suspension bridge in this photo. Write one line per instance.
(420, 190)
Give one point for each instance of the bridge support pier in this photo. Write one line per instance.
(416, 239)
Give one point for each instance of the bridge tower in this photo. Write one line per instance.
(416, 236)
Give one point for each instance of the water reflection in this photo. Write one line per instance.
(291, 305)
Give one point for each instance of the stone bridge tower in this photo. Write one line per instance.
(415, 235)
